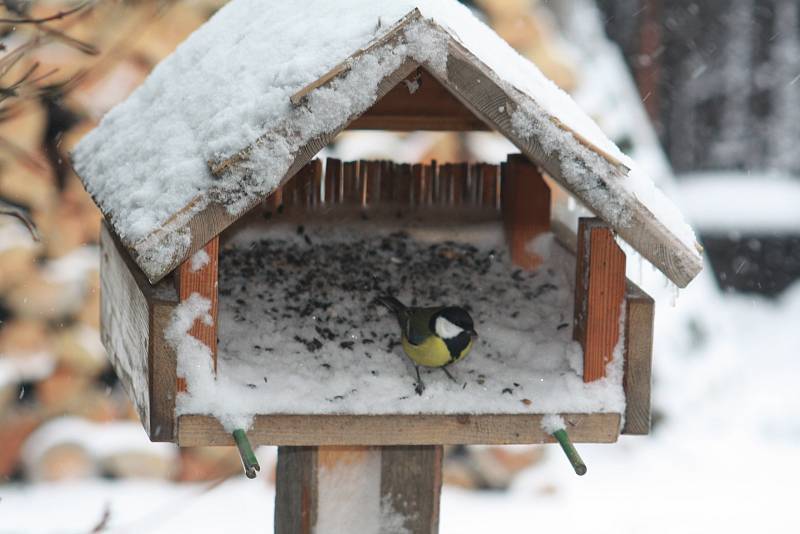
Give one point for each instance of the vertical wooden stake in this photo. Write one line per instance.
(526, 209)
(639, 315)
(333, 178)
(202, 280)
(396, 488)
(599, 293)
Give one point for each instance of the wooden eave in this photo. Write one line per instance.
(492, 102)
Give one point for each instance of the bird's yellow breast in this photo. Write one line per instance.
(432, 352)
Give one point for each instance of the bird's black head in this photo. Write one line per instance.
(457, 316)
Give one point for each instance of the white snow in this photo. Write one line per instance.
(350, 498)
(298, 316)
(199, 260)
(551, 423)
(147, 162)
(725, 202)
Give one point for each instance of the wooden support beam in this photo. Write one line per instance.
(417, 429)
(411, 485)
(201, 277)
(364, 489)
(639, 315)
(526, 209)
(599, 294)
(133, 317)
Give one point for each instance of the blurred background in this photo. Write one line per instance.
(704, 95)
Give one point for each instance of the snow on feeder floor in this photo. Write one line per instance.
(300, 333)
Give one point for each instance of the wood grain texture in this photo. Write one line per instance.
(411, 482)
(134, 315)
(525, 207)
(339, 69)
(124, 326)
(423, 429)
(639, 317)
(599, 294)
(203, 281)
(420, 102)
(296, 490)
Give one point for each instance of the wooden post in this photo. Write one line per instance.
(639, 315)
(599, 294)
(526, 209)
(201, 279)
(358, 488)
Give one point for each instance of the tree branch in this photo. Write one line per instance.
(57, 16)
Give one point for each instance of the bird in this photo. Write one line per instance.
(436, 337)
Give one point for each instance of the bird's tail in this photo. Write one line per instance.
(393, 304)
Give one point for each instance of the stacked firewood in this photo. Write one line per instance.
(62, 66)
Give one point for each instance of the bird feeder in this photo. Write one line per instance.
(179, 256)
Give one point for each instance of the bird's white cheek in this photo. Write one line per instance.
(447, 330)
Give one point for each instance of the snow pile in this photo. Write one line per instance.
(199, 260)
(722, 202)
(296, 314)
(147, 163)
(552, 423)
(195, 365)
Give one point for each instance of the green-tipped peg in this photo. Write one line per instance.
(249, 460)
(569, 449)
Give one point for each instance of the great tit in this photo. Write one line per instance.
(433, 337)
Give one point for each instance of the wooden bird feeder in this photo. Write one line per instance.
(146, 279)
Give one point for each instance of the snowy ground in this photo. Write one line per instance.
(722, 459)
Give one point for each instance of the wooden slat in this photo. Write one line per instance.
(333, 178)
(403, 181)
(296, 490)
(203, 281)
(639, 316)
(489, 185)
(350, 190)
(459, 183)
(444, 195)
(526, 209)
(133, 318)
(373, 182)
(421, 429)
(387, 181)
(305, 186)
(411, 483)
(430, 107)
(599, 294)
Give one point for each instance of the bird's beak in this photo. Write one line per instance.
(473, 334)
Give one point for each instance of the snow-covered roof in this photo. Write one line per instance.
(215, 129)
